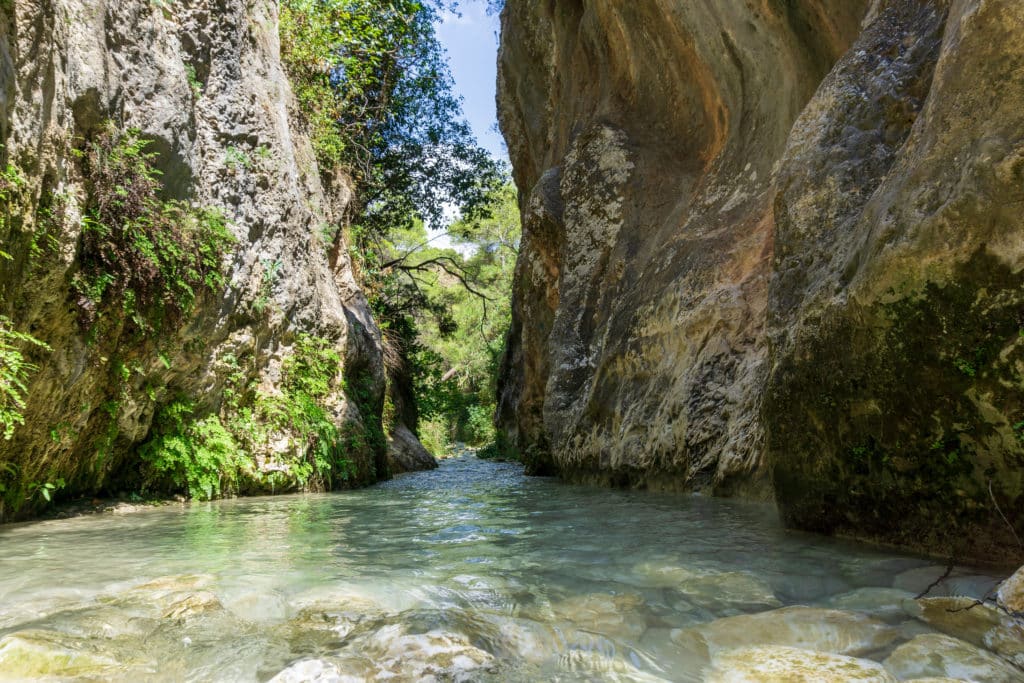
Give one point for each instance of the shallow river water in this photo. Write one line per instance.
(470, 572)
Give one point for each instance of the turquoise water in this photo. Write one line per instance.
(469, 572)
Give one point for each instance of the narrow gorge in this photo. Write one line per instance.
(712, 372)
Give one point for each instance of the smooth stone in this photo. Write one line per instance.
(257, 606)
(707, 587)
(33, 654)
(811, 628)
(610, 668)
(321, 624)
(937, 655)
(957, 583)
(448, 656)
(611, 615)
(1011, 593)
(792, 665)
(978, 624)
(193, 605)
(885, 603)
(517, 638)
(314, 671)
(178, 583)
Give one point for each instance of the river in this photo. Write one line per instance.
(470, 572)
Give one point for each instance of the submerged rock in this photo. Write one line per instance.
(35, 654)
(885, 603)
(258, 606)
(943, 656)
(779, 664)
(811, 628)
(609, 668)
(610, 615)
(314, 671)
(708, 588)
(193, 605)
(446, 656)
(937, 583)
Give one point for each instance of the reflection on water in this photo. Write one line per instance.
(470, 572)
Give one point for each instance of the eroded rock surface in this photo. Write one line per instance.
(203, 82)
(774, 238)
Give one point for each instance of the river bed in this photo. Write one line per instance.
(470, 572)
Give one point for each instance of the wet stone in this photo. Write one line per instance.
(938, 655)
(779, 664)
(977, 623)
(33, 654)
(884, 603)
(811, 628)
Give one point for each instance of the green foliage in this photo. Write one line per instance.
(45, 490)
(14, 374)
(374, 87)
(312, 369)
(197, 455)
(268, 278)
(434, 435)
(450, 310)
(11, 185)
(236, 158)
(193, 81)
(149, 257)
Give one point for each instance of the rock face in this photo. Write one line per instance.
(203, 83)
(773, 249)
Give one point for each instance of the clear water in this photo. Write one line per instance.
(472, 571)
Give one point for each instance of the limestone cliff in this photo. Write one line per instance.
(773, 249)
(202, 83)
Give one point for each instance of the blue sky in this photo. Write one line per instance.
(472, 44)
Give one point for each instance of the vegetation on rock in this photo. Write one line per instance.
(149, 257)
(375, 92)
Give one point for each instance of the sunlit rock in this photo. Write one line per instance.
(940, 655)
(823, 630)
(34, 654)
(977, 623)
(1011, 593)
(314, 671)
(446, 656)
(193, 605)
(611, 615)
(778, 664)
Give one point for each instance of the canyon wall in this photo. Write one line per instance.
(202, 84)
(773, 250)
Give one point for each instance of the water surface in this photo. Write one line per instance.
(472, 571)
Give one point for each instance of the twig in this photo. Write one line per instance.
(999, 510)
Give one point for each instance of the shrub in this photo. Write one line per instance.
(150, 257)
(14, 373)
(199, 456)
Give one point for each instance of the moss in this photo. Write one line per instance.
(879, 428)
